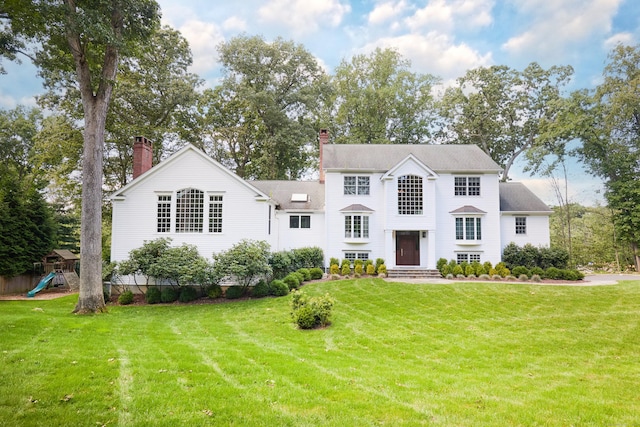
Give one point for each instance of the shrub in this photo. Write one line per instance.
(346, 269)
(188, 294)
(461, 276)
(334, 261)
(345, 262)
(316, 273)
(234, 292)
(306, 257)
(358, 270)
(309, 313)
(125, 298)
(487, 266)
(292, 281)
(484, 277)
(441, 264)
(469, 270)
(502, 269)
(371, 269)
(280, 263)
(457, 270)
(478, 269)
(523, 277)
(537, 271)
(214, 291)
(520, 270)
(279, 288)
(300, 276)
(496, 277)
(536, 278)
(306, 274)
(449, 276)
(334, 269)
(379, 262)
(357, 262)
(261, 290)
(168, 294)
(244, 263)
(382, 269)
(367, 263)
(153, 295)
(553, 273)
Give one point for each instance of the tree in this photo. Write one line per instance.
(244, 262)
(78, 46)
(377, 100)
(260, 120)
(611, 144)
(506, 112)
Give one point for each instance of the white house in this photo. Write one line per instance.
(407, 204)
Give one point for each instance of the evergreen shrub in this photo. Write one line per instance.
(169, 294)
(261, 289)
(214, 291)
(234, 292)
(125, 298)
(316, 273)
(153, 295)
(188, 294)
(279, 288)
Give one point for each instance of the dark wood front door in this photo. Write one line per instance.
(407, 248)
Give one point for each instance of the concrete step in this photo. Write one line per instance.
(414, 273)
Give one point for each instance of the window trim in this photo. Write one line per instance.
(412, 203)
(521, 229)
(163, 213)
(190, 218)
(215, 222)
(466, 226)
(463, 187)
(300, 223)
(358, 187)
(350, 227)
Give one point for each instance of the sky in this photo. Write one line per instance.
(444, 38)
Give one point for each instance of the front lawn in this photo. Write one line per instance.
(462, 354)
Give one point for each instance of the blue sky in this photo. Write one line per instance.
(441, 37)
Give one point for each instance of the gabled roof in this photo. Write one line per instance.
(516, 197)
(356, 207)
(467, 209)
(189, 148)
(409, 158)
(281, 191)
(383, 157)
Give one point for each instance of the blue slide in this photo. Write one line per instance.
(43, 284)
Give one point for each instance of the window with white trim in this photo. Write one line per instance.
(466, 185)
(468, 228)
(189, 211)
(410, 195)
(467, 257)
(215, 213)
(356, 185)
(164, 214)
(356, 226)
(300, 221)
(352, 256)
(521, 225)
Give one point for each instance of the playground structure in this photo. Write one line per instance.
(57, 269)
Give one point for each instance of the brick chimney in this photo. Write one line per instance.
(142, 156)
(324, 139)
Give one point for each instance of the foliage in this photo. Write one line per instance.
(261, 289)
(371, 269)
(506, 112)
(259, 120)
(305, 272)
(358, 269)
(334, 269)
(181, 265)
(235, 292)
(334, 261)
(125, 298)
(311, 257)
(153, 295)
(214, 291)
(382, 269)
(316, 273)
(169, 294)
(292, 281)
(531, 256)
(379, 100)
(244, 263)
(379, 262)
(346, 269)
(279, 288)
(457, 270)
(520, 270)
(280, 263)
(440, 264)
(188, 294)
(311, 312)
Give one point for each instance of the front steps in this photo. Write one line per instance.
(413, 273)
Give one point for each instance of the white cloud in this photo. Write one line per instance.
(304, 16)
(626, 39)
(203, 39)
(235, 24)
(386, 11)
(556, 24)
(435, 54)
(445, 16)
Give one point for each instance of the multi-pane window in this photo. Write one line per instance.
(467, 257)
(466, 186)
(356, 185)
(189, 211)
(300, 221)
(352, 256)
(356, 227)
(468, 228)
(521, 225)
(164, 214)
(215, 214)
(410, 195)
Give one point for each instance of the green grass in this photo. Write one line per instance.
(396, 354)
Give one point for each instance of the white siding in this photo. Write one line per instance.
(537, 230)
(293, 238)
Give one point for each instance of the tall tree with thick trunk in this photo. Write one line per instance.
(84, 38)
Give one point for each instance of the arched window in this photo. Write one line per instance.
(410, 195)
(189, 211)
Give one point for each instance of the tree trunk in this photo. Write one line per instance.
(636, 256)
(91, 299)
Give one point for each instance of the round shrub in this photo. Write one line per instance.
(334, 269)
(279, 288)
(523, 277)
(440, 265)
(346, 269)
(536, 278)
(496, 277)
(371, 269)
(168, 294)
(334, 261)
(537, 271)
(214, 291)
(306, 274)
(292, 281)
(484, 277)
(457, 271)
(553, 273)
(234, 292)
(316, 273)
(188, 294)
(304, 317)
(153, 295)
(125, 298)
(300, 276)
(520, 270)
(382, 269)
(358, 270)
(261, 290)
(449, 276)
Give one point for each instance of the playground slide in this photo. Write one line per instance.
(43, 284)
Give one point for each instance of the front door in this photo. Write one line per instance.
(407, 248)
